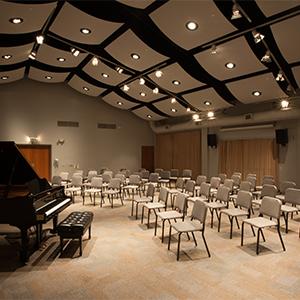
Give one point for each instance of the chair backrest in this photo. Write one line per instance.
(150, 191)
(199, 211)
(96, 182)
(145, 174)
(205, 189)
(165, 175)
(252, 180)
(223, 176)
(158, 170)
(200, 179)
(134, 179)
(187, 173)
(215, 182)
(76, 180)
(268, 190)
(245, 186)
(251, 175)
(236, 179)
(244, 199)
(237, 173)
(271, 207)
(179, 183)
(292, 196)
(106, 177)
(80, 172)
(64, 176)
(190, 187)
(56, 180)
(91, 174)
(153, 177)
(180, 202)
(268, 181)
(163, 195)
(229, 183)
(223, 193)
(284, 185)
(115, 183)
(111, 173)
(121, 176)
(174, 172)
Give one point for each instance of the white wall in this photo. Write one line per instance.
(29, 108)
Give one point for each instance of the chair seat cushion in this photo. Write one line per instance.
(200, 198)
(235, 212)
(154, 205)
(73, 189)
(142, 199)
(260, 222)
(257, 202)
(216, 205)
(280, 197)
(288, 209)
(93, 190)
(131, 186)
(170, 214)
(187, 226)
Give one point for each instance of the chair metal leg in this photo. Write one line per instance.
(263, 236)
(132, 207)
(212, 218)
(242, 234)
(178, 246)
(148, 223)
(205, 243)
(169, 242)
(219, 224)
(142, 218)
(286, 220)
(231, 225)
(136, 210)
(257, 243)
(278, 229)
(253, 230)
(155, 228)
(162, 230)
(237, 222)
(194, 238)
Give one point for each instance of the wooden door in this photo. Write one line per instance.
(39, 157)
(148, 158)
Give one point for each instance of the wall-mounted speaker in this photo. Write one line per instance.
(282, 137)
(212, 140)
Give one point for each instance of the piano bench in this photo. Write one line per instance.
(74, 226)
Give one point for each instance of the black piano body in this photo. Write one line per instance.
(25, 199)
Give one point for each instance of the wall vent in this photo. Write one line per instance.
(106, 126)
(67, 124)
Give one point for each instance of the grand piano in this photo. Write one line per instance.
(26, 200)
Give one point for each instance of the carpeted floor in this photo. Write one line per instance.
(123, 260)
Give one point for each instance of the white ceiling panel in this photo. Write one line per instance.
(197, 100)
(272, 7)
(230, 52)
(49, 55)
(78, 84)
(18, 54)
(266, 84)
(166, 106)
(144, 112)
(114, 78)
(70, 20)
(289, 44)
(46, 76)
(172, 17)
(135, 89)
(115, 100)
(10, 76)
(296, 71)
(128, 43)
(33, 15)
(137, 3)
(175, 72)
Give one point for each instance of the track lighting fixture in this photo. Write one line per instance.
(155, 90)
(119, 70)
(158, 73)
(142, 81)
(280, 76)
(258, 37)
(40, 39)
(173, 100)
(75, 52)
(32, 55)
(95, 61)
(236, 14)
(125, 88)
(266, 58)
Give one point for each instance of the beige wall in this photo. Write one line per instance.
(29, 108)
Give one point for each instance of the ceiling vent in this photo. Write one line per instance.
(67, 124)
(106, 126)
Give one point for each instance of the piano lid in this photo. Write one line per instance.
(15, 170)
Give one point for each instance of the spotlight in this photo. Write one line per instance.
(149, 116)
(173, 110)
(40, 39)
(280, 76)
(4, 77)
(142, 81)
(210, 115)
(125, 88)
(284, 104)
(236, 14)
(173, 100)
(104, 75)
(7, 56)
(75, 52)
(158, 73)
(208, 103)
(120, 103)
(196, 117)
(86, 88)
(176, 82)
(61, 59)
(213, 49)
(188, 109)
(142, 94)
(257, 36)
(155, 90)
(48, 77)
(32, 55)
(95, 61)
(266, 58)
(256, 93)
(16, 20)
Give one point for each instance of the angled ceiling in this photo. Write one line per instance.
(194, 76)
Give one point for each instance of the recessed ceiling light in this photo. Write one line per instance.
(230, 65)
(213, 49)
(207, 103)
(95, 61)
(158, 73)
(125, 88)
(256, 93)
(16, 20)
(173, 109)
(210, 114)
(48, 77)
(7, 56)
(188, 109)
(284, 105)
(191, 25)
(75, 51)
(135, 56)
(40, 39)
(85, 30)
(155, 90)
(120, 103)
(104, 75)
(176, 82)
(142, 94)
(196, 117)
(4, 77)
(142, 81)
(173, 100)
(86, 88)
(119, 70)
(32, 55)
(61, 59)
(149, 116)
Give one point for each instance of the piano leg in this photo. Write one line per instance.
(39, 233)
(55, 219)
(24, 245)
